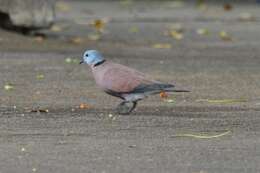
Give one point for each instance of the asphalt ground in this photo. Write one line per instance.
(223, 76)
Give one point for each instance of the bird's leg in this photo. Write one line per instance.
(122, 108)
(133, 107)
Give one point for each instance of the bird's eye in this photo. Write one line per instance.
(86, 55)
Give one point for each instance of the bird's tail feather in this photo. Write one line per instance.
(175, 90)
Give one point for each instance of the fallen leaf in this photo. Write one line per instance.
(39, 110)
(202, 31)
(40, 76)
(162, 46)
(84, 106)
(163, 95)
(39, 39)
(202, 5)
(176, 27)
(8, 87)
(94, 36)
(72, 60)
(126, 3)
(177, 35)
(245, 17)
(63, 7)
(222, 100)
(68, 60)
(56, 28)
(202, 136)
(169, 100)
(98, 24)
(76, 40)
(225, 36)
(227, 7)
(134, 29)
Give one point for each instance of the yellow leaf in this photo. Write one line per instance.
(126, 2)
(8, 87)
(56, 28)
(177, 27)
(94, 36)
(177, 35)
(202, 31)
(225, 36)
(227, 7)
(162, 46)
(62, 6)
(84, 106)
(246, 17)
(98, 24)
(76, 40)
(68, 60)
(222, 100)
(202, 136)
(169, 100)
(40, 76)
(134, 29)
(39, 39)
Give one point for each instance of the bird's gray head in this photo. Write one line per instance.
(92, 57)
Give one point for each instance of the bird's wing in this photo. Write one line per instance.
(122, 79)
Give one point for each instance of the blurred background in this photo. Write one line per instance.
(53, 118)
(210, 47)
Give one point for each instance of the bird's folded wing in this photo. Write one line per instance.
(122, 79)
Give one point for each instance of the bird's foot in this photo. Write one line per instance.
(124, 109)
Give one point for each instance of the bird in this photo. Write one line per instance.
(123, 82)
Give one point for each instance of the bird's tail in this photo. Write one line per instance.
(175, 90)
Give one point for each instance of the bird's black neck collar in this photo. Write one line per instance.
(99, 63)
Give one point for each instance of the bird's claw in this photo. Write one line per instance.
(123, 109)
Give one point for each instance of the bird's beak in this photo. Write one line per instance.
(81, 62)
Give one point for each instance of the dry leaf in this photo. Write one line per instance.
(177, 35)
(62, 6)
(56, 28)
(39, 39)
(76, 40)
(246, 17)
(202, 31)
(169, 100)
(222, 100)
(134, 29)
(227, 7)
(98, 24)
(202, 136)
(40, 76)
(175, 4)
(39, 110)
(72, 60)
(94, 37)
(84, 106)
(176, 26)
(162, 46)
(68, 60)
(163, 95)
(202, 5)
(126, 2)
(8, 87)
(225, 36)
